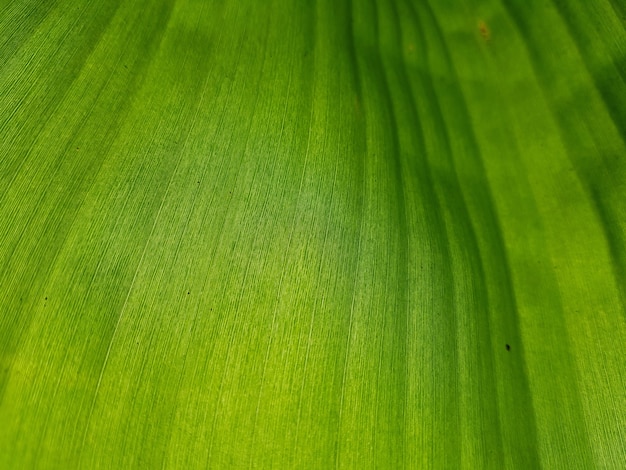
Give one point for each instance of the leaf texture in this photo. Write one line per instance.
(312, 234)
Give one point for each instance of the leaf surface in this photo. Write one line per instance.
(385, 233)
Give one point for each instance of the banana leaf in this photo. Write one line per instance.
(312, 234)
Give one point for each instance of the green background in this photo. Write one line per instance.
(297, 234)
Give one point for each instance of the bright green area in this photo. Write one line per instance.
(301, 234)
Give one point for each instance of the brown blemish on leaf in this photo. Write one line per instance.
(484, 30)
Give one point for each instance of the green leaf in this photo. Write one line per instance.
(296, 234)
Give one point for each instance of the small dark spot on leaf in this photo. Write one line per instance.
(188, 292)
(46, 298)
(508, 347)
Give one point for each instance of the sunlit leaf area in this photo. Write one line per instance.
(313, 234)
